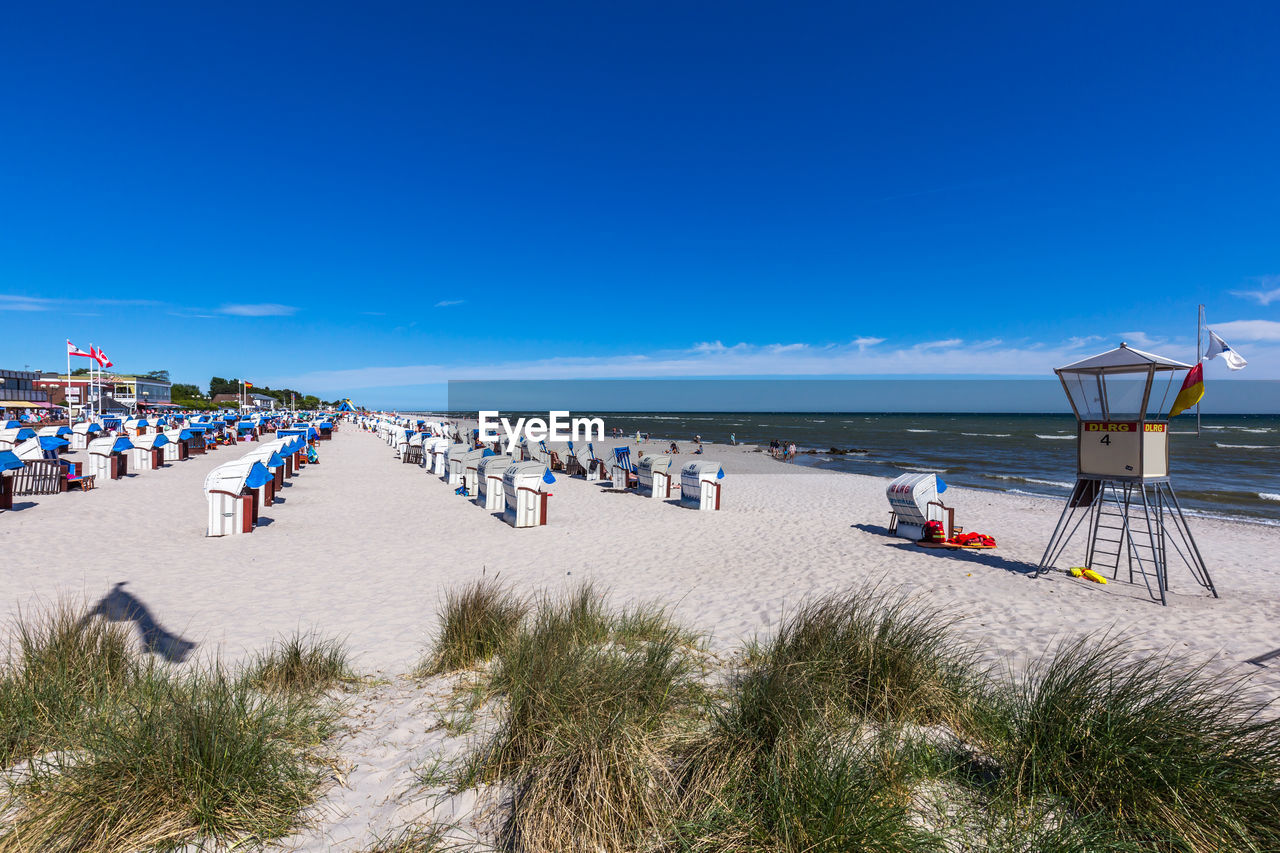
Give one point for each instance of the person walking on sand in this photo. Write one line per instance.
(791, 451)
(733, 439)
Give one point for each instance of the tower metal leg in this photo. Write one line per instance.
(1087, 507)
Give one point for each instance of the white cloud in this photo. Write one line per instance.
(1141, 340)
(24, 303)
(445, 303)
(261, 309)
(1262, 297)
(1249, 330)
(708, 359)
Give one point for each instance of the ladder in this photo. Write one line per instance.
(1131, 525)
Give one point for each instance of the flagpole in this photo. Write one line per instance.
(1199, 336)
(93, 384)
(68, 401)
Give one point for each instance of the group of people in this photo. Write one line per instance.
(785, 452)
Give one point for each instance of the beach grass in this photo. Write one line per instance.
(301, 663)
(62, 669)
(817, 791)
(826, 728)
(865, 722)
(1168, 756)
(411, 839)
(474, 623)
(596, 702)
(848, 658)
(131, 753)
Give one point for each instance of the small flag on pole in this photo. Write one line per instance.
(100, 357)
(72, 349)
(1192, 391)
(1219, 347)
(248, 384)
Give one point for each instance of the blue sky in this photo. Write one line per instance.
(368, 199)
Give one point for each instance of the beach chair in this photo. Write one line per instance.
(38, 477)
(555, 464)
(572, 466)
(622, 472)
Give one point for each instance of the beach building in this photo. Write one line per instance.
(250, 400)
(21, 392)
(118, 391)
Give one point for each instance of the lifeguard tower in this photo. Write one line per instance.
(1122, 493)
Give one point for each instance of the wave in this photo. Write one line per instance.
(1238, 519)
(1269, 496)
(988, 434)
(922, 430)
(1059, 483)
(914, 470)
(1058, 437)
(1251, 429)
(1246, 446)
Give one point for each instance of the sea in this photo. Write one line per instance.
(1230, 470)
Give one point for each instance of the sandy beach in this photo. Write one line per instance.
(363, 547)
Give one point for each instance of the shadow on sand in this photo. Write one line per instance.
(985, 558)
(121, 606)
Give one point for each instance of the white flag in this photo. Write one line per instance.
(1219, 347)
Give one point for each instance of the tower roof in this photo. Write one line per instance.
(1123, 359)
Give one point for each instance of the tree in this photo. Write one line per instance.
(218, 385)
(183, 391)
(158, 375)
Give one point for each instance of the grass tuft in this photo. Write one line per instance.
(124, 752)
(186, 757)
(596, 701)
(1172, 758)
(302, 664)
(815, 793)
(411, 839)
(63, 668)
(848, 658)
(475, 622)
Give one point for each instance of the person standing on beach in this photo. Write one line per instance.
(733, 439)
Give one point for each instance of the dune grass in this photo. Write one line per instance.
(62, 669)
(815, 792)
(594, 701)
(301, 663)
(187, 756)
(865, 723)
(1166, 755)
(412, 839)
(863, 655)
(126, 752)
(812, 748)
(474, 622)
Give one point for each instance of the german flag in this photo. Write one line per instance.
(1192, 391)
